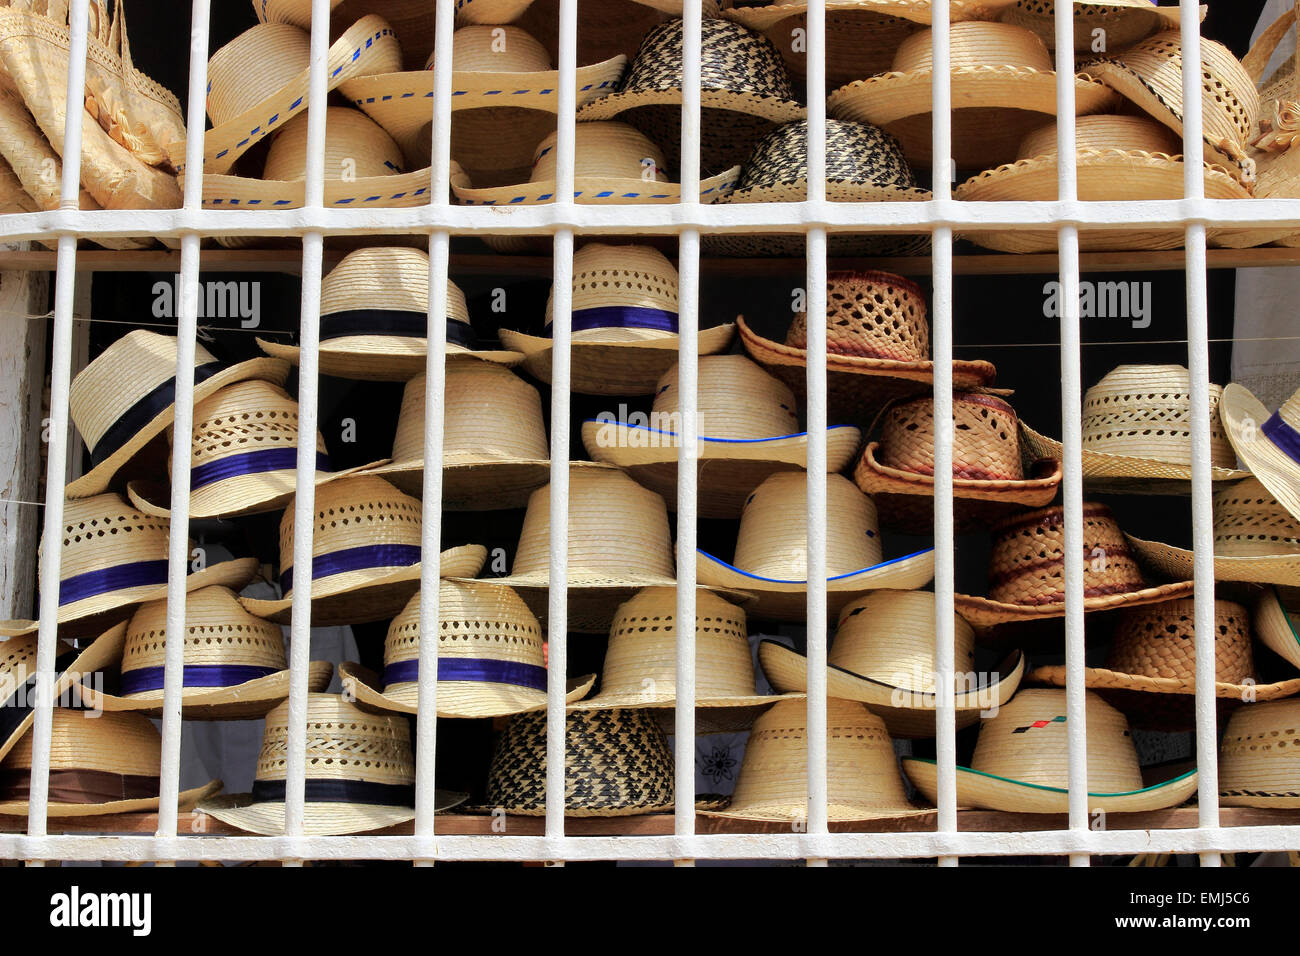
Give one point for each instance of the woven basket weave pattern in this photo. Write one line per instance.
(217, 631)
(104, 531)
(1123, 26)
(855, 153)
(344, 742)
(1248, 521)
(986, 445)
(248, 416)
(1159, 641)
(731, 58)
(872, 315)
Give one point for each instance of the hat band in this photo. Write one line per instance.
(356, 559)
(1283, 436)
(469, 669)
(79, 786)
(194, 675)
(621, 317)
(340, 791)
(407, 325)
(135, 418)
(251, 463)
(22, 702)
(134, 575)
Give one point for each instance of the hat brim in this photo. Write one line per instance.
(835, 812)
(399, 191)
(1274, 625)
(988, 792)
(187, 800)
(485, 484)
(599, 190)
(383, 358)
(771, 108)
(246, 701)
(1177, 564)
(982, 612)
(98, 479)
(319, 819)
(1243, 417)
(631, 367)
(372, 594)
(762, 19)
(456, 699)
(837, 190)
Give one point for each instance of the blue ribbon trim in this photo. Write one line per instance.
(468, 669)
(621, 317)
(143, 412)
(340, 791)
(400, 324)
(1286, 438)
(355, 559)
(194, 675)
(251, 463)
(119, 578)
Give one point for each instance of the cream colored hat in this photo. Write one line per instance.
(1259, 760)
(1276, 619)
(748, 430)
(360, 773)
(365, 555)
(883, 655)
(624, 322)
(1269, 445)
(491, 657)
(374, 308)
(1021, 762)
(771, 550)
(1121, 22)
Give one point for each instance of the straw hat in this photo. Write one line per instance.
(992, 475)
(771, 550)
(1150, 75)
(260, 80)
(125, 397)
(235, 664)
(100, 763)
(494, 451)
(640, 667)
(1258, 766)
(1269, 445)
(883, 656)
(619, 543)
(374, 308)
(506, 11)
(744, 90)
(1003, 84)
(360, 773)
(863, 782)
(749, 431)
(1021, 762)
(1150, 671)
(1122, 22)
(504, 99)
(1137, 433)
(1120, 158)
(877, 346)
(365, 555)
(863, 164)
(613, 164)
(491, 657)
(1027, 570)
(1276, 619)
(624, 322)
(1255, 539)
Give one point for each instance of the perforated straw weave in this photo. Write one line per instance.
(1122, 22)
(1259, 757)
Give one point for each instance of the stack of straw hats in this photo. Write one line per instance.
(1121, 22)
(1258, 763)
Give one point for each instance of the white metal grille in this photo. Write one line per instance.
(564, 220)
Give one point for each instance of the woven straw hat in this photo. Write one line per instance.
(374, 308)
(991, 471)
(744, 90)
(1003, 84)
(749, 430)
(1119, 158)
(616, 763)
(365, 555)
(614, 164)
(771, 550)
(863, 782)
(1021, 762)
(507, 11)
(863, 164)
(360, 773)
(1276, 619)
(1123, 22)
(1255, 539)
(494, 442)
(877, 346)
(624, 321)
(100, 763)
(235, 664)
(125, 398)
(883, 656)
(1150, 671)
(1269, 445)
(1150, 75)
(276, 57)
(1137, 433)
(491, 657)
(1258, 763)
(640, 667)
(1027, 570)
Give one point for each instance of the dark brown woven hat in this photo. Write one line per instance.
(744, 90)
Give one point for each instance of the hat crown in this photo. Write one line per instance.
(105, 531)
(122, 375)
(634, 277)
(604, 149)
(870, 315)
(855, 153)
(1105, 132)
(773, 537)
(496, 49)
(737, 399)
(18, 663)
(356, 147)
(217, 631)
(355, 512)
(617, 529)
(245, 417)
(888, 636)
(1159, 640)
(986, 438)
(642, 654)
(1249, 521)
(386, 278)
(476, 620)
(273, 53)
(344, 742)
(1260, 751)
(731, 58)
(489, 412)
(1027, 741)
(974, 43)
(108, 741)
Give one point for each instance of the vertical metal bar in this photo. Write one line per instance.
(1198, 362)
(55, 465)
(1071, 385)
